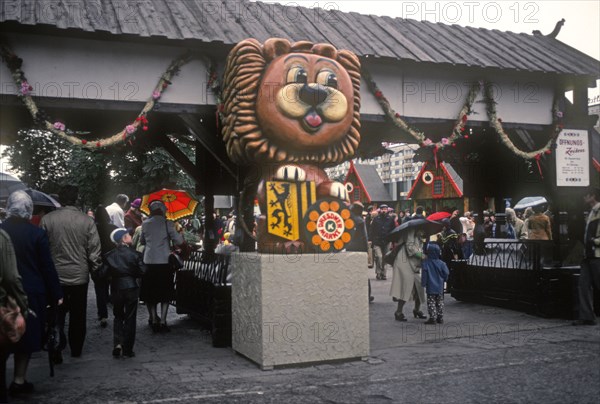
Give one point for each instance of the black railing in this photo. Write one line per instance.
(204, 294)
(518, 274)
(510, 254)
(208, 267)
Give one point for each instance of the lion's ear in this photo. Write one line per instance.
(325, 49)
(275, 47)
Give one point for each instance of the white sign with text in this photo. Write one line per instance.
(572, 158)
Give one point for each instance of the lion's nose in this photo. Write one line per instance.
(312, 95)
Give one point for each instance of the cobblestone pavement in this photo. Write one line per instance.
(480, 354)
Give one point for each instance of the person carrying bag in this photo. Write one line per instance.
(13, 306)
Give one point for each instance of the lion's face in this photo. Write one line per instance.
(294, 103)
(305, 100)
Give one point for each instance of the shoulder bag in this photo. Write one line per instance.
(12, 322)
(175, 261)
(391, 255)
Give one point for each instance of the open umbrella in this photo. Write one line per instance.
(41, 199)
(439, 216)
(530, 202)
(8, 185)
(429, 226)
(179, 203)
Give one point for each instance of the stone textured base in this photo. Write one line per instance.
(292, 309)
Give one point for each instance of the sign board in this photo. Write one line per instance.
(572, 158)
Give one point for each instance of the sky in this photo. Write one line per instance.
(581, 29)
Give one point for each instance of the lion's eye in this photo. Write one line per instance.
(327, 78)
(297, 74)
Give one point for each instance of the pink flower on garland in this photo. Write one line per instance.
(445, 141)
(427, 142)
(59, 125)
(25, 88)
(156, 95)
(464, 119)
(378, 94)
(559, 114)
(130, 129)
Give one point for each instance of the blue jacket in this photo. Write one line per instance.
(434, 271)
(34, 260)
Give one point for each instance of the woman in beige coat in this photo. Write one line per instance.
(406, 281)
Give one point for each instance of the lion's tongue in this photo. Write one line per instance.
(313, 119)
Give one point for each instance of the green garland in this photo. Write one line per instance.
(24, 90)
(459, 126)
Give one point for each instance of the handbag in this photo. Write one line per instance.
(391, 255)
(12, 322)
(175, 261)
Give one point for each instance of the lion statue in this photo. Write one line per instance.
(289, 111)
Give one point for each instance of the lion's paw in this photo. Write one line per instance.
(339, 190)
(290, 173)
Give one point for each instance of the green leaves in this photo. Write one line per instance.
(46, 162)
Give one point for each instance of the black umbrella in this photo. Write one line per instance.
(52, 343)
(429, 226)
(41, 199)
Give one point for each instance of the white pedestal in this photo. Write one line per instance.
(292, 309)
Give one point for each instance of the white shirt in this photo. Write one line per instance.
(116, 214)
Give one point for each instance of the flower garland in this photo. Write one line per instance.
(457, 131)
(24, 91)
(497, 125)
(214, 86)
(496, 122)
(459, 126)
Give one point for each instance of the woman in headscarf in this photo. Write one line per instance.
(40, 281)
(158, 285)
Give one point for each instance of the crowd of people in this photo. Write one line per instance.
(420, 260)
(47, 264)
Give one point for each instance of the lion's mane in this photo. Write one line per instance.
(242, 134)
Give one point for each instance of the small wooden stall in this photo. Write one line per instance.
(438, 188)
(366, 185)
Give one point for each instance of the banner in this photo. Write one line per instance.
(572, 158)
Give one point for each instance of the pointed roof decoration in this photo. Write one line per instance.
(225, 23)
(369, 181)
(450, 184)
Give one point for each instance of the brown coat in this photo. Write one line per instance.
(538, 227)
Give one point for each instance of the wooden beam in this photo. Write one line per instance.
(180, 158)
(212, 144)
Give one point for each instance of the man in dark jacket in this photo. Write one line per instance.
(123, 266)
(381, 226)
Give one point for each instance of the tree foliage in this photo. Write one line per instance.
(46, 162)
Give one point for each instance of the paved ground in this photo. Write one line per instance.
(480, 354)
